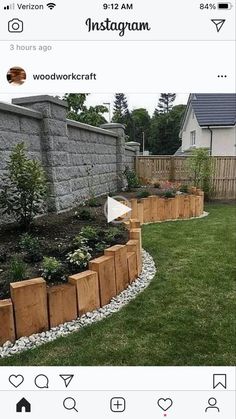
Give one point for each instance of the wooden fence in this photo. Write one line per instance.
(174, 168)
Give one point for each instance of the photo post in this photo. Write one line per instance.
(118, 210)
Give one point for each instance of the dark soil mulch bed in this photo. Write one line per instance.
(56, 233)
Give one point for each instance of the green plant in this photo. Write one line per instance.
(142, 194)
(90, 233)
(131, 177)
(111, 234)
(169, 194)
(51, 269)
(18, 269)
(84, 214)
(80, 257)
(93, 202)
(201, 169)
(24, 187)
(31, 246)
(99, 247)
(183, 188)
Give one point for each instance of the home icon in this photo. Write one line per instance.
(23, 406)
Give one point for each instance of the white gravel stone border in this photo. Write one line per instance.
(33, 341)
(205, 214)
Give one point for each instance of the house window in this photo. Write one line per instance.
(193, 138)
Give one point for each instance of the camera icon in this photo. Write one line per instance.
(15, 25)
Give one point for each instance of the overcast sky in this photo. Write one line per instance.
(148, 101)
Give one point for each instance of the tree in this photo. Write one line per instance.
(78, 111)
(200, 169)
(120, 110)
(165, 128)
(165, 103)
(141, 123)
(24, 187)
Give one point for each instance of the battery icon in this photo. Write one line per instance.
(225, 6)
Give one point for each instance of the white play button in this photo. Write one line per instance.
(115, 209)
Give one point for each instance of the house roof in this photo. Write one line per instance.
(213, 109)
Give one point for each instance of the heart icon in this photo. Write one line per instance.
(165, 404)
(16, 380)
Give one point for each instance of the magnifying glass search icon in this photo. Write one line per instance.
(70, 404)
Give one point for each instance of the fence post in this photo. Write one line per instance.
(172, 169)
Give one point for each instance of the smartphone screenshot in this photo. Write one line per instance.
(117, 210)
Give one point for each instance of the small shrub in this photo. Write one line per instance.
(90, 233)
(157, 185)
(183, 188)
(31, 246)
(143, 194)
(112, 234)
(100, 247)
(169, 194)
(93, 203)
(132, 179)
(18, 269)
(51, 269)
(84, 214)
(24, 187)
(80, 257)
(79, 241)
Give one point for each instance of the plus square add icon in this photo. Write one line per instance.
(117, 404)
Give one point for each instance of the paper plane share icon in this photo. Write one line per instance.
(218, 23)
(67, 378)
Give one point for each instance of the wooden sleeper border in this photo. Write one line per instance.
(34, 307)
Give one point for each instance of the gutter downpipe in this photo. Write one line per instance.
(210, 139)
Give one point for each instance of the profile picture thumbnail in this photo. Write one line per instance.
(16, 76)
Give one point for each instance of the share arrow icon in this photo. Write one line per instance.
(219, 23)
(67, 378)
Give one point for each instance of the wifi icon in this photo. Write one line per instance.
(51, 5)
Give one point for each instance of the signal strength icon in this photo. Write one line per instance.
(51, 5)
(9, 7)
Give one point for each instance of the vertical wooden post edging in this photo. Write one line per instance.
(105, 268)
(180, 206)
(198, 205)
(134, 207)
(136, 234)
(132, 266)
(134, 223)
(186, 206)
(87, 289)
(133, 246)
(7, 327)
(62, 304)
(153, 208)
(146, 210)
(119, 254)
(140, 213)
(192, 209)
(160, 209)
(30, 306)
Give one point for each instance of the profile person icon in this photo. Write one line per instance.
(212, 405)
(16, 76)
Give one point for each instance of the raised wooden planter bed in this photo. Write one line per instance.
(155, 209)
(33, 307)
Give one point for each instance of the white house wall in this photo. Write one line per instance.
(192, 125)
(224, 139)
(223, 143)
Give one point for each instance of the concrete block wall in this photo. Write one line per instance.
(79, 159)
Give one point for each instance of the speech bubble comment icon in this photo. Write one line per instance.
(41, 381)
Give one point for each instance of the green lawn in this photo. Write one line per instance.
(185, 317)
